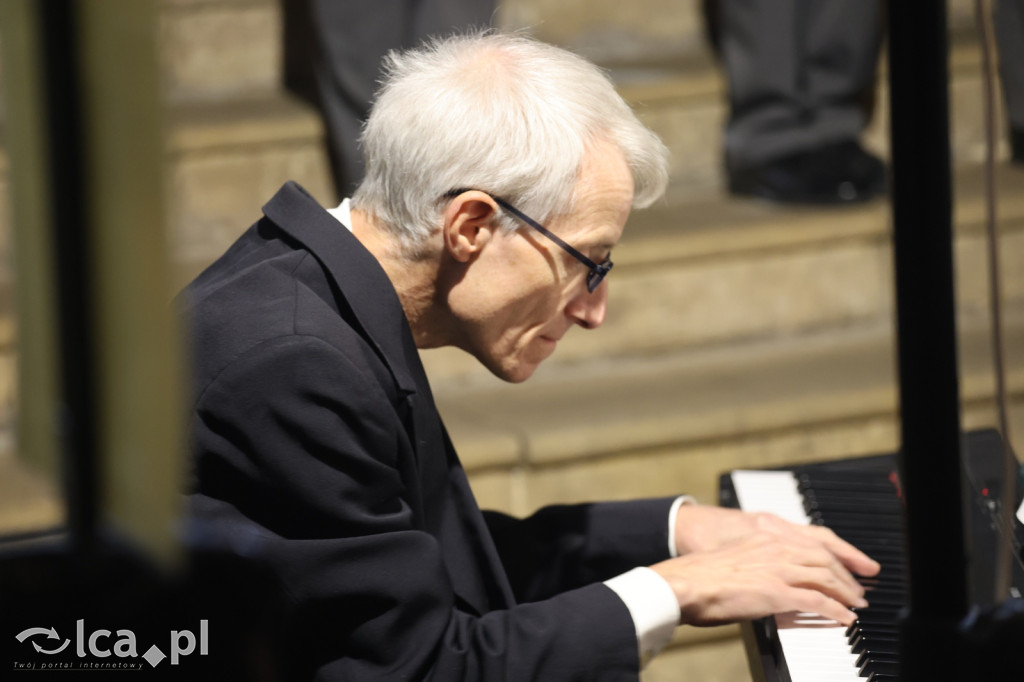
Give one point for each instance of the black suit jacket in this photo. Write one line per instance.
(318, 449)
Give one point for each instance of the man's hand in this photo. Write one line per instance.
(737, 565)
(700, 528)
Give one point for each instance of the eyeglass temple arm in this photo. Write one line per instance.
(537, 226)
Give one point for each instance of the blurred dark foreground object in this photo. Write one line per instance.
(218, 618)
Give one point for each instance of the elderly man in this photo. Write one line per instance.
(500, 174)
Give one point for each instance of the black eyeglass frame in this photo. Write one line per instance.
(597, 271)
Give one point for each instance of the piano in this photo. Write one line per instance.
(860, 500)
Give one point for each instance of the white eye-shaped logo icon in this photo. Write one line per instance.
(50, 634)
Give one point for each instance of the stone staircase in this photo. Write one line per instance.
(739, 333)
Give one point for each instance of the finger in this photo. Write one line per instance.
(816, 561)
(854, 559)
(812, 601)
(828, 582)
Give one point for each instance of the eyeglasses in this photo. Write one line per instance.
(597, 271)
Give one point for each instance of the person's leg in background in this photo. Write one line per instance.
(333, 51)
(800, 73)
(1009, 28)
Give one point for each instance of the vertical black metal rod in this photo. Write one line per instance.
(927, 348)
(77, 417)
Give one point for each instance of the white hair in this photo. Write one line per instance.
(502, 113)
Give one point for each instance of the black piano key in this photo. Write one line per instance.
(884, 629)
(877, 631)
(888, 558)
(892, 581)
(885, 534)
(823, 486)
(890, 547)
(881, 627)
(886, 667)
(840, 520)
(887, 594)
(888, 535)
(834, 499)
(875, 474)
(881, 614)
(867, 640)
(891, 572)
(887, 587)
(819, 475)
(840, 499)
(880, 644)
(869, 518)
(885, 599)
(876, 519)
(889, 575)
(884, 586)
(845, 495)
(868, 657)
(883, 677)
(883, 506)
(887, 610)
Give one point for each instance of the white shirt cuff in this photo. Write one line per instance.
(673, 512)
(653, 606)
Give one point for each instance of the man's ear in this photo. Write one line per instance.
(469, 224)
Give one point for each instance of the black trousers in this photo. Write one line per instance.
(801, 73)
(333, 52)
(1009, 25)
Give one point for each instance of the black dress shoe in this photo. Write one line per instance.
(838, 173)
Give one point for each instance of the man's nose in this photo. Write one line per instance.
(587, 309)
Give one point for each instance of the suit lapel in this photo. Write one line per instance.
(365, 286)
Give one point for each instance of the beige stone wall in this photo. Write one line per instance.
(611, 31)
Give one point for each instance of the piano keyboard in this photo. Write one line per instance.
(816, 649)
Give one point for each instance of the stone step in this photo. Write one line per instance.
(671, 424)
(610, 32)
(725, 273)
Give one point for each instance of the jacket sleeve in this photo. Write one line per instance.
(297, 461)
(562, 547)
